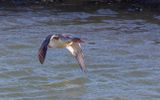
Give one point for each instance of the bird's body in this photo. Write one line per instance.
(63, 41)
(57, 44)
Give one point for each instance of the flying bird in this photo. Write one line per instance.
(73, 44)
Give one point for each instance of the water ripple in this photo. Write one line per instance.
(121, 53)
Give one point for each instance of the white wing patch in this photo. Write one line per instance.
(70, 48)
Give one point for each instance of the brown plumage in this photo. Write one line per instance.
(73, 44)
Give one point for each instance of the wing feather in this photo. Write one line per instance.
(76, 51)
(43, 49)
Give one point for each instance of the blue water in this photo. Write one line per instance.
(121, 52)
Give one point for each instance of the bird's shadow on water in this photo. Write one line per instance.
(64, 79)
(74, 87)
(76, 81)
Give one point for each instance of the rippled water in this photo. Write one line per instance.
(122, 53)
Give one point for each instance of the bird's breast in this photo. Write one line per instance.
(57, 44)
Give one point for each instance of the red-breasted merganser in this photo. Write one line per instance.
(73, 44)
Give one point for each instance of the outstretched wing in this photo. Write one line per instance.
(76, 51)
(43, 49)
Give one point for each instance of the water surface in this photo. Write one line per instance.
(121, 52)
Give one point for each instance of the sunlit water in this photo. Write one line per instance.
(122, 53)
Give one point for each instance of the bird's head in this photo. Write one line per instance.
(55, 37)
